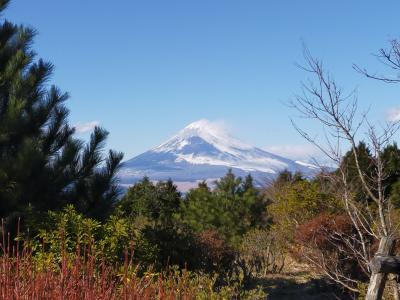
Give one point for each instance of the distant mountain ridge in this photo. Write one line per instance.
(205, 151)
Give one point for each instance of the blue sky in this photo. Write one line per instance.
(145, 69)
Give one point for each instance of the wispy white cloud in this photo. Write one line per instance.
(393, 114)
(86, 127)
(303, 152)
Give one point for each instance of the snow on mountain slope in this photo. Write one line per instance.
(204, 150)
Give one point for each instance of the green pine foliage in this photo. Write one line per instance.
(391, 161)
(156, 202)
(391, 157)
(42, 165)
(178, 225)
(153, 208)
(353, 178)
(232, 208)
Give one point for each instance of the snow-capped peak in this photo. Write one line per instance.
(204, 150)
(214, 133)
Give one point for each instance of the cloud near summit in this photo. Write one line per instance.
(303, 152)
(85, 127)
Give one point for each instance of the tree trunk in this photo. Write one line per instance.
(385, 264)
(377, 280)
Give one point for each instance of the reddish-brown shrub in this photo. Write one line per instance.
(214, 252)
(320, 230)
(331, 244)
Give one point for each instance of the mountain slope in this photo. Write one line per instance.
(204, 151)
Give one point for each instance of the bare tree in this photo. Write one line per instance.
(390, 58)
(324, 101)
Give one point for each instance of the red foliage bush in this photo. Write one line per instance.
(319, 230)
(214, 252)
(331, 244)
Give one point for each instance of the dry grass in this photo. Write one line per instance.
(298, 281)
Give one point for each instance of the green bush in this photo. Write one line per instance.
(68, 232)
(233, 208)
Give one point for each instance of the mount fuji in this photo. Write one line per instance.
(205, 151)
